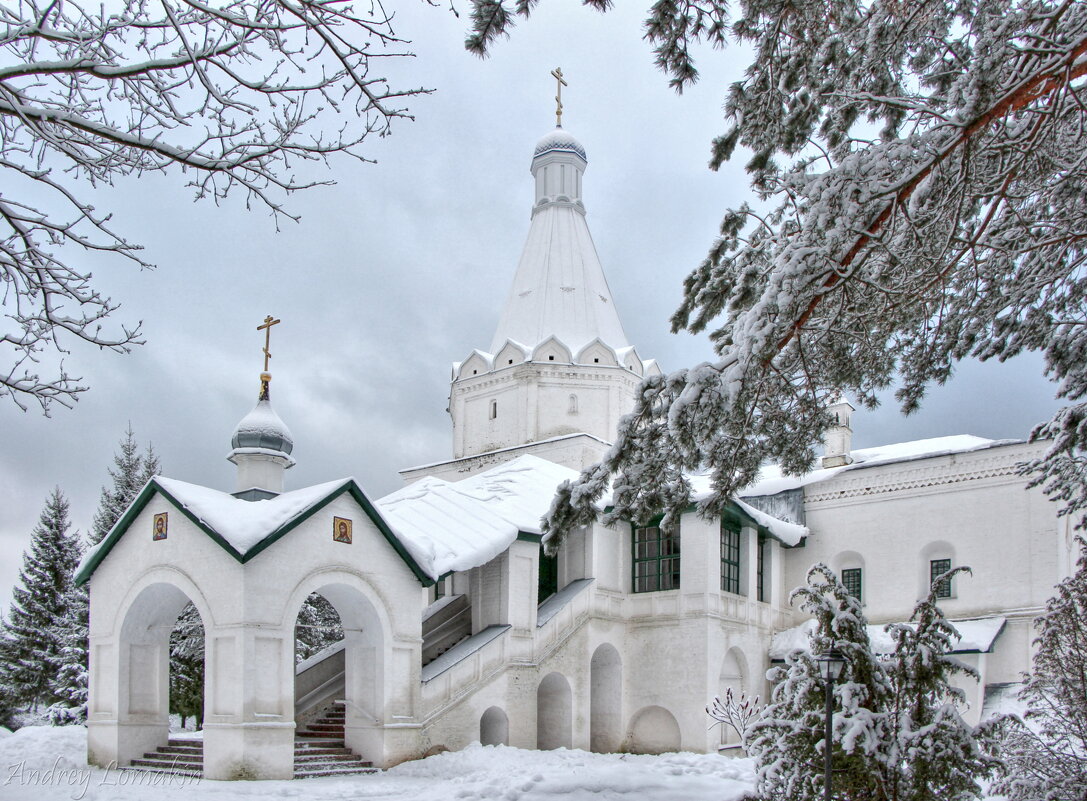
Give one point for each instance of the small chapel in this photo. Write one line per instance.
(459, 627)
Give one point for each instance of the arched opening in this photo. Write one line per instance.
(733, 678)
(494, 727)
(654, 730)
(605, 699)
(317, 627)
(553, 713)
(160, 617)
(187, 671)
(342, 633)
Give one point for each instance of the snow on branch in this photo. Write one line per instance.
(236, 94)
(920, 176)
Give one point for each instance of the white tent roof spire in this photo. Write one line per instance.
(559, 289)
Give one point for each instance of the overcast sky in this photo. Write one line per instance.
(401, 268)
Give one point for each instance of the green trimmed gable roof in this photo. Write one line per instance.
(244, 528)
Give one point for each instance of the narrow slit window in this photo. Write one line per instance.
(730, 557)
(936, 568)
(494, 409)
(851, 579)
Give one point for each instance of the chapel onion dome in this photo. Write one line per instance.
(559, 140)
(263, 430)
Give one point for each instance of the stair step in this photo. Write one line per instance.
(167, 764)
(180, 749)
(338, 728)
(196, 774)
(318, 735)
(330, 751)
(327, 758)
(161, 757)
(175, 743)
(333, 772)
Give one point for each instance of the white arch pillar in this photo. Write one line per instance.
(129, 672)
(249, 703)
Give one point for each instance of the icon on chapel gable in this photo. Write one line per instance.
(341, 530)
(158, 532)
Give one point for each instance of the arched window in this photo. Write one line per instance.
(573, 404)
(494, 409)
(849, 565)
(936, 559)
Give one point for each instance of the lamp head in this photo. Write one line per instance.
(830, 664)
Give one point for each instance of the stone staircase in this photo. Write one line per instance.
(179, 757)
(319, 749)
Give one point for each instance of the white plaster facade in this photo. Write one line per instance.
(599, 659)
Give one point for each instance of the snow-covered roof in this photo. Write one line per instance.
(559, 289)
(263, 429)
(243, 528)
(559, 139)
(244, 524)
(787, 533)
(772, 481)
(451, 526)
(976, 635)
(533, 444)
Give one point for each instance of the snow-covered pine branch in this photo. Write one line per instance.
(923, 170)
(234, 94)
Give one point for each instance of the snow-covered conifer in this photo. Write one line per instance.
(31, 648)
(919, 174)
(69, 684)
(935, 753)
(187, 666)
(318, 626)
(131, 471)
(1047, 757)
(787, 740)
(897, 730)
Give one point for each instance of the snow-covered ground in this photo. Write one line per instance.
(44, 763)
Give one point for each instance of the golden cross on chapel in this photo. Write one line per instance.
(267, 329)
(557, 75)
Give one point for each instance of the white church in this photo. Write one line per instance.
(457, 627)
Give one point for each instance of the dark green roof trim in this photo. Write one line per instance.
(349, 487)
(528, 536)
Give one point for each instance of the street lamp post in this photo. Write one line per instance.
(830, 667)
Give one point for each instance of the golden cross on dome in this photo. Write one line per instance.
(267, 329)
(557, 75)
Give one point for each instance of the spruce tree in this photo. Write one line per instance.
(31, 649)
(69, 684)
(1047, 757)
(935, 753)
(130, 473)
(318, 627)
(187, 666)
(787, 740)
(897, 732)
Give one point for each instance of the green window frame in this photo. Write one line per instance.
(655, 563)
(760, 567)
(852, 580)
(730, 556)
(548, 583)
(936, 568)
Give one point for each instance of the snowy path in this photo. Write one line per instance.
(475, 774)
